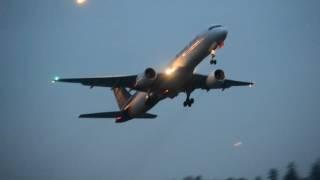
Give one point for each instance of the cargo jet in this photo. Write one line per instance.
(151, 86)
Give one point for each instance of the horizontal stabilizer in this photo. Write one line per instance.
(146, 116)
(116, 114)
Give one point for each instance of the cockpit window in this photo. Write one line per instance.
(214, 26)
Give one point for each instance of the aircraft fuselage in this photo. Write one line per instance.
(178, 72)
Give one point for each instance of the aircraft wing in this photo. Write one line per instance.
(111, 81)
(199, 81)
(229, 83)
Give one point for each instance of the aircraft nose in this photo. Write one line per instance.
(223, 34)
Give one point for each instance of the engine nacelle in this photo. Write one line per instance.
(215, 79)
(146, 79)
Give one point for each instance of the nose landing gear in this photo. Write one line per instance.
(188, 102)
(213, 55)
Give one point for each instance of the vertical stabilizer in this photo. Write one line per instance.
(122, 96)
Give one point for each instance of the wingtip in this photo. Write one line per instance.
(82, 116)
(55, 79)
(252, 84)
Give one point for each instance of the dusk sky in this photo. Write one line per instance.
(273, 43)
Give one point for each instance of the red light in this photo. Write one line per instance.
(119, 118)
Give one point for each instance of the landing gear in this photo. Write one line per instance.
(188, 101)
(213, 55)
(213, 61)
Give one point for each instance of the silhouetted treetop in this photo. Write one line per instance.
(291, 172)
(273, 174)
(315, 171)
(242, 178)
(258, 178)
(230, 178)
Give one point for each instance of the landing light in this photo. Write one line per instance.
(169, 71)
(81, 2)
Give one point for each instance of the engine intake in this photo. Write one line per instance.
(219, 74)
(215, 79)
(150, 73)
(146, 79)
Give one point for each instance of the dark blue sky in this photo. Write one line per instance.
(274, 43)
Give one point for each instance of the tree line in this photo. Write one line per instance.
(273, 174)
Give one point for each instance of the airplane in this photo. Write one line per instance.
(152, 86)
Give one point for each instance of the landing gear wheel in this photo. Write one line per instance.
(191, 101)
(213, 55)
(188, 102)
(185, 103)
(213, 61)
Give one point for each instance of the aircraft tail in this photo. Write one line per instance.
(122, 96)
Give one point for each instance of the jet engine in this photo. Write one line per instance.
(146, 79)
(215, 79)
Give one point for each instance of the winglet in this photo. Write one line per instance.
(55, 79)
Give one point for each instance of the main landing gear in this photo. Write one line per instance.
(188, 101)
(213, 55)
